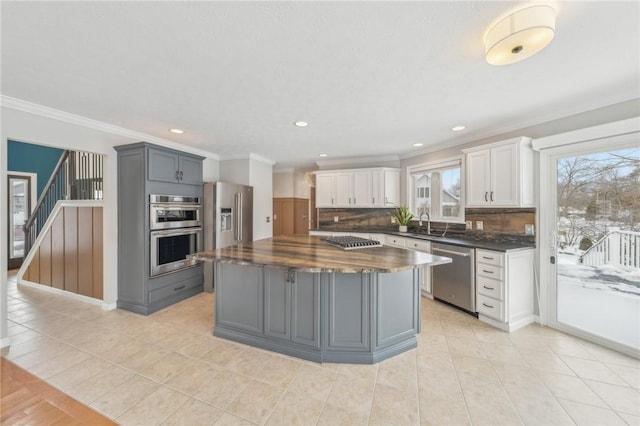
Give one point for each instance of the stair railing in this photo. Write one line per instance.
(77, 176)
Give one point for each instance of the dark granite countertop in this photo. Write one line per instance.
(481, 240)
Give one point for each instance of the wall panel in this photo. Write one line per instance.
(85, 251)
(70, 254)
(71, 249)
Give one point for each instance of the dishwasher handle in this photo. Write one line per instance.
(455, 253)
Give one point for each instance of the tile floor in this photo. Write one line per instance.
(168, 369)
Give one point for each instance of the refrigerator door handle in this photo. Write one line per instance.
(235, 217)
(240, 218)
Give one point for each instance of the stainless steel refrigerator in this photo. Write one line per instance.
(228, 219)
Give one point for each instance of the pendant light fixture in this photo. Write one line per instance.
(520, 35)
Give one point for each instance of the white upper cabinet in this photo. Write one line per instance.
(386, 187)
(325, 190)
(500, 174)
(359, 188)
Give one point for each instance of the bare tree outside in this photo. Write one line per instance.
(598, 257)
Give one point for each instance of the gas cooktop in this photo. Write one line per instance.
(352, 243)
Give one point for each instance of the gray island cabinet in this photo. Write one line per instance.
(145, 169)
(299, 296)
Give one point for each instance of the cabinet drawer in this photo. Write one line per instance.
(490, 307)
(489, 287)
(396, 241)
(489, 271)
(490, 257)
(419, 245)
(170, 290)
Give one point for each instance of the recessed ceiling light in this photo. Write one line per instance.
(417, 144)
(176, 131)
(323, 155)
(300, 124)
(458, 128)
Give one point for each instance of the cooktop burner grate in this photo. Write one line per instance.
(352, 243)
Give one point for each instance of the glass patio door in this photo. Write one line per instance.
(19, 209)
(597, 250)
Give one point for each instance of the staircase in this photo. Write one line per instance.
(77, 176)
(619, 248)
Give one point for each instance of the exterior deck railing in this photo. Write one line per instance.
(619, 248)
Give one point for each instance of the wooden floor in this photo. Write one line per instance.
(25, 399)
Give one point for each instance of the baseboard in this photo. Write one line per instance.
(59, 292)
(109, 306)
(5, 342)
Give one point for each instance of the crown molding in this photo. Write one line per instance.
(287, 170)
(248, 156)
(66, 117)
(356, 160)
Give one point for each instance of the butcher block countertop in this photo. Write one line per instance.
(313, 254)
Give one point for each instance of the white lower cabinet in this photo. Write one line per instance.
(419, 245)
(505, 288)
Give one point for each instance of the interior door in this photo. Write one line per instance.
(597, 248)
(19, 210)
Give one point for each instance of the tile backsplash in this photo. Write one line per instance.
(510, 221)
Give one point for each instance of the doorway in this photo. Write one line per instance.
(595, 271)
(20, 192)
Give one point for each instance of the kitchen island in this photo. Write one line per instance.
(300, 296)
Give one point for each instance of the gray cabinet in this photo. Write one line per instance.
(291, 306)
(171, 166)
(319, 316)
(144, 169)
(349, 312)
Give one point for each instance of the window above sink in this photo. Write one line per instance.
(436, 189)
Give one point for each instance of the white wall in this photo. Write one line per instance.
(210, 170)
(258, 174)
(261, 180)
(283, 184)
(291, 184)
(33, 128)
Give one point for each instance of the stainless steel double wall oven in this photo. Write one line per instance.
(175, 224)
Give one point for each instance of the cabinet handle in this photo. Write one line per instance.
(354, 200)
(179, 287)
(487, 272)
(488, 288)
(331, 200)
(485, 196)
(491, 196)
(486, 257)
(488, 306)
(374, 200)
(177, 174)
(386, 200)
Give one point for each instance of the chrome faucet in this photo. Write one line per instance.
(428, 221)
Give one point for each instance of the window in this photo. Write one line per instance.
(436, 189)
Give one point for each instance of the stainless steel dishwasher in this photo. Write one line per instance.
(455, 282)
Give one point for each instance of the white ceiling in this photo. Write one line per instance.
(371, 78)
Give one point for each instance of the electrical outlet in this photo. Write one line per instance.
(268, 220)
(393, 220)
(529, 229)
(469, 224)
(336, 218)
(479, 225)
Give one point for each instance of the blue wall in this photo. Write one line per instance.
(29, 158)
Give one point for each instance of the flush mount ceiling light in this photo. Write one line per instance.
(458, 128)
(176, 131)
(323, 155)
(418, 144)
(520, 35)
(300, 124)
